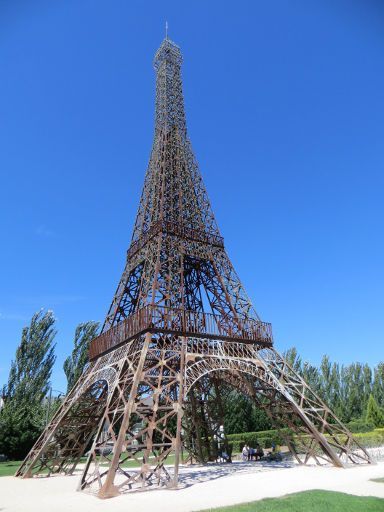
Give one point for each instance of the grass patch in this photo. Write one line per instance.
(133, 463)
(9, 468)
(379, 480)
(313, 501)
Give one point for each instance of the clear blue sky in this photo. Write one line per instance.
(285, 110)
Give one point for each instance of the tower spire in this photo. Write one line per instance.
(169, 109)
(174, 190)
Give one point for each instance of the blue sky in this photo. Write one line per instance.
(285, 111)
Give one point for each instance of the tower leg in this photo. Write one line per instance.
(180, 412)
(108, 489)
(315, 431)
(65, 438)
(327, 432)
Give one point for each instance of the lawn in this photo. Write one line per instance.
(379, 480)
(310, 501)
(9, 468)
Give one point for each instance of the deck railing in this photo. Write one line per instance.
(174, 228)
(182, 322)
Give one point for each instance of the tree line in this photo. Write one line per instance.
(354, 392)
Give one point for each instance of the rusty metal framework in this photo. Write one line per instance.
(180, 322)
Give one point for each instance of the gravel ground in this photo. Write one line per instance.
(202, 487)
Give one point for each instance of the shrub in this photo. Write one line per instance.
(267, 442)
(251, 438)
(357, 426)
(367, 439)
(375, 414)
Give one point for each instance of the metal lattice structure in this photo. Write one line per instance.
(180, 320)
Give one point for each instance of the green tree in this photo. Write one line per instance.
(358, 386)
(75, 363)
(242, 415)
(308, 372)
(22, 417)
(312, 377)
(375, 415)
(345, 389)
(335, 390)
(293, 359)
(378, 384)
(328, 380)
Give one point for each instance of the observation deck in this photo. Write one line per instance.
(158, 319)
(175, 229)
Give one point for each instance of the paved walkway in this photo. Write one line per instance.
(202, 487)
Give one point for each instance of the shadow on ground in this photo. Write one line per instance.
(192, 475)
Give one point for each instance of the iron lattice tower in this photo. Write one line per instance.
(180, 324)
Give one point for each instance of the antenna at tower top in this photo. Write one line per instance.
(166, 30)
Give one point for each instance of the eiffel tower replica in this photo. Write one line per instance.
(179, 323)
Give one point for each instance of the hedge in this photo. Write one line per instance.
(266, 437)
(357, 426)
(368, 439)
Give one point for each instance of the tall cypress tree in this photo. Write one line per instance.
(378, 384)
(375, 415)
(312, 377)
(293, 359)
(75, 363)
(22, 417)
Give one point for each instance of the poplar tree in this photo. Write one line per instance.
(22, 417)
(375, 415)
(293, 359)
(75, 364)
(378, 384)
(312, 377)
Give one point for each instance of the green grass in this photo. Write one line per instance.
(9, 468)
(379, 480)
(132, 463)
(311, 501)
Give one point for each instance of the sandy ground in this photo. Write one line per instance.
(204, 487)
